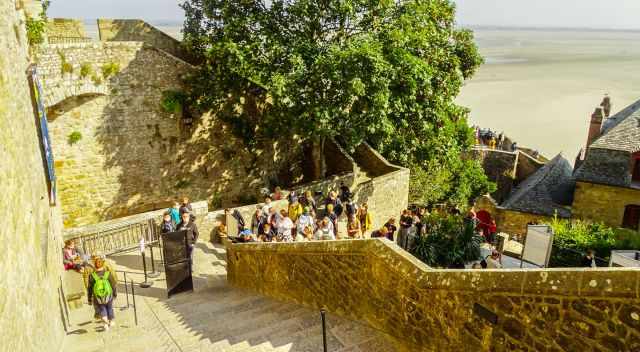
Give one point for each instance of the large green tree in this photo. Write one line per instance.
(385, 72)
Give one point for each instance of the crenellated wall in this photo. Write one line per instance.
(374, 281)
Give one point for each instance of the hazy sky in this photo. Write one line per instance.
(537, 13)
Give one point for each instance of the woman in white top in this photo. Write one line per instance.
(325, 230)
(285, 225)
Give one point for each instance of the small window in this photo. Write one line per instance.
(631, 217)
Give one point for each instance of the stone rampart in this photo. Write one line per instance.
(65, 29)
(30, 236)
(374, 281)
(124, 30)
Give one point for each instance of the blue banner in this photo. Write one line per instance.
(44, 133)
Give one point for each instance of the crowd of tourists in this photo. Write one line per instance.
(493, 140)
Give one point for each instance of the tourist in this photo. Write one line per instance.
(295, 208)
(382, 233)
(406, 225)
(308, 201)
(350, 208)
(245, 236)
(391, 227)
(285, 225)
(353, 227)
(167, 223)
(257, 221)
(273, 219)
(514, 146)
(418, 214)
(266, 206)
(335, 202)
(175, 213)
(70, 256)
(187, 208)
(331, 214)
(277, 194)
(589, 259)
(192, 233)
(325, 232)
(101, 292)
(364, 216)
(492, 143)
(305, 220)
(494, 260)
(471, 218)
(267, 234)
(345, 193)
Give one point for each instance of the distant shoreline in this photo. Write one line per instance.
(549, 29)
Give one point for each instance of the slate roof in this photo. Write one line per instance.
(621, 131)
(605, 166)
(545, 192)
(607, 158)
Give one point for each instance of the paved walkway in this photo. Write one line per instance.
(215, 317)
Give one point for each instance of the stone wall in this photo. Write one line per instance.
(140, 31)
(603, 203)
(373, 281)
(371, 162)
(30, 236)
(65, 28)
(509, 221)
(500, 167)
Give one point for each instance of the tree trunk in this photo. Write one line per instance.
(319, 166)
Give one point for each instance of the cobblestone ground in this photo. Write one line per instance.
(215, 317)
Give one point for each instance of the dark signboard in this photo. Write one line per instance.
(177, 264)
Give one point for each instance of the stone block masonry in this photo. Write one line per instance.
(30, 235)
(374, 281)
(132, 155)
(603, 203)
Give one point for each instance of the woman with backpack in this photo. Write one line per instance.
(102, 291)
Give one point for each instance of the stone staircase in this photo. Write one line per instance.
(216, 317)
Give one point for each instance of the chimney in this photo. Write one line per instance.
(595, 126)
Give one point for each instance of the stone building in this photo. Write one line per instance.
(608, 177)
(603, 185)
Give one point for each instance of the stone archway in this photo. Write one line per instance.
(57, 94)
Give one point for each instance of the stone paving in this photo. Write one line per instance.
(216, 317)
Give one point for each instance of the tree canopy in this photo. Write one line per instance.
(386, 72)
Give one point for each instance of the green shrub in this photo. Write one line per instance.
(97, 80)
(86, 70)
(67, 68)
(450, 240)
(172, 101)
(573, 238)
(110, 69)
(35, 30)
(74, 137)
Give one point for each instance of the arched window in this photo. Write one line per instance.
(631, 217)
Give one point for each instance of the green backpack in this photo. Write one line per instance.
(102, 288)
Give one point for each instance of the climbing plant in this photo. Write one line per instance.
(74, 137)
(86, 70)
(110, 69)
(36, 27)
(385, 72)
(172, 101)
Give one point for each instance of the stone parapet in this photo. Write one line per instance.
(374, 281)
